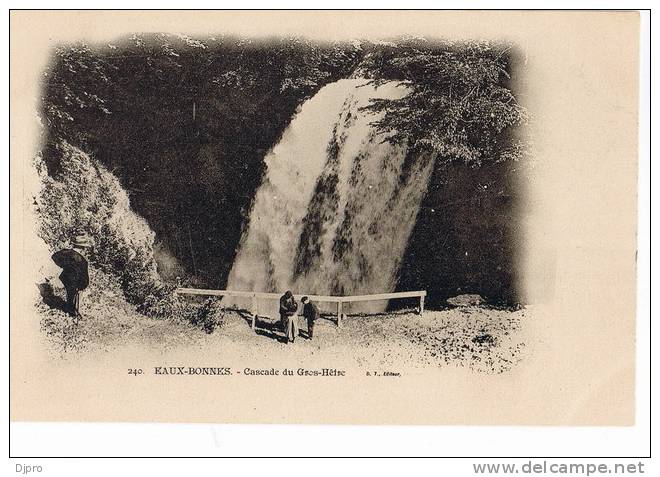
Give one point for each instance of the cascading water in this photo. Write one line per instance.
(337, 203)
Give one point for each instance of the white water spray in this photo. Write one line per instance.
(337, 204)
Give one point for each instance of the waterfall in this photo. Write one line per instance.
(337, 204)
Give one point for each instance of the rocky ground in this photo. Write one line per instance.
(108, 321)
(478, 338)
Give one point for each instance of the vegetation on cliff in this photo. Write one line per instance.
(83, 197)
(192, 118)
(180, 126)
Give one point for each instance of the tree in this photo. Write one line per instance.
(190, 117)
(460, 106)
(462, 109)
(76, 91)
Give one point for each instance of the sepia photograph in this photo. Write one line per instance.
(285, 196)
(256, 208)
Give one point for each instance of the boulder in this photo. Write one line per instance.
(466, 300)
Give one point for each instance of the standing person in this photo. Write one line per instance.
(311, 313)
(288, 307)
(292, 328)
(75, 272)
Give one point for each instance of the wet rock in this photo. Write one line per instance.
(466, 300)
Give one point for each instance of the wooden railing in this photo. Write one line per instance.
(340, 300)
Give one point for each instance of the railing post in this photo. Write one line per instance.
(254, 296)
(254, 311)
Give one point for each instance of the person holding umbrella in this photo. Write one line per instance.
(75, 274)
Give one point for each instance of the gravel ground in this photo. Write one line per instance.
(108, 322)
(480, 339)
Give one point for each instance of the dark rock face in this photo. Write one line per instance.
(185, 125)
(188, 125)
(466, 239)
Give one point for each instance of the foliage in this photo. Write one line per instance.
(84, 197)
(462, 108)
(193, 117)
(207, 316)
(75, 92)
(167, 304)
(183, 125)
(461, 104)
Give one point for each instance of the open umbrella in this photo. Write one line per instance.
(69, 259)
(74, 268)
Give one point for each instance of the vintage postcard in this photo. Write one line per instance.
(324, 217)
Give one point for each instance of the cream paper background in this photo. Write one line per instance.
(580, 85)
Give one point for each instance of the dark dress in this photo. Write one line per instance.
(74, 277)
